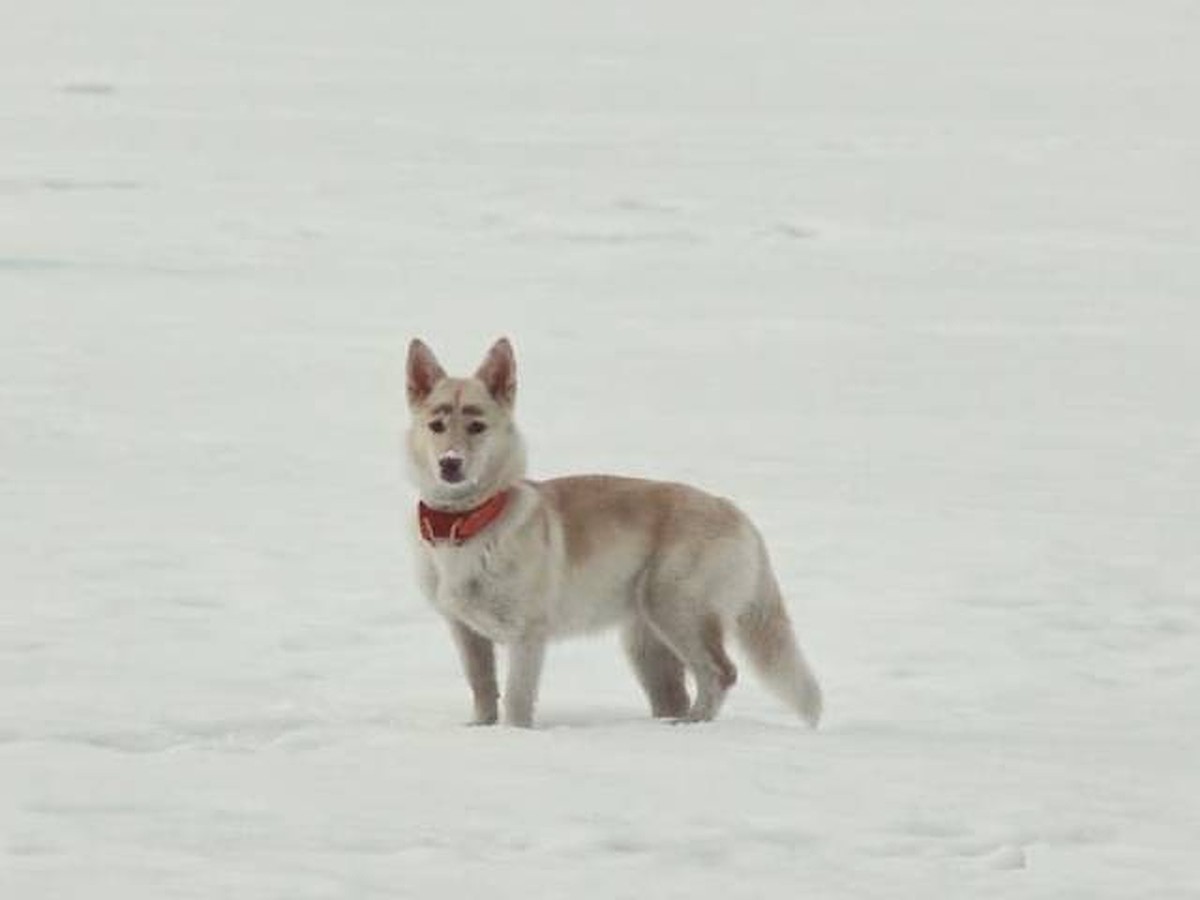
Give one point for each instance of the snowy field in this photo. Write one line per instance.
(916, 283)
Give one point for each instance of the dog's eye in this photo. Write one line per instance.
(476, 428)
(437, 426)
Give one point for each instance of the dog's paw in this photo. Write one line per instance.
(693, 718)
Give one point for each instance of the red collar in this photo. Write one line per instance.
(458, 527)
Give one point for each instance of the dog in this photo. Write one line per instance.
(517, 562)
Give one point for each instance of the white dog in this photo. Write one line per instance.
(520, 562)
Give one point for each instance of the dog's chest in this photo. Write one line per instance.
(473, 588)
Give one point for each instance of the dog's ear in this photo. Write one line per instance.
(424, 371)
(498, 372)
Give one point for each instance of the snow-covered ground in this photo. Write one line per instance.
(916, 283)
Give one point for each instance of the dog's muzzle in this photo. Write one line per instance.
(450, 467)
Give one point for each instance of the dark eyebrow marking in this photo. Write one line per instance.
(443, 409)
(470, 410)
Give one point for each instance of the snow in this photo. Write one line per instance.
(915, 283)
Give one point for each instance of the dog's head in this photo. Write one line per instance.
(463, 444)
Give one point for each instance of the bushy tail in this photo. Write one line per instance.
(765, 632)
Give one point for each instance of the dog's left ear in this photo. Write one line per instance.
(498, 372)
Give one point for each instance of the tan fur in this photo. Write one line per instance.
(671, 564)
(594, 508)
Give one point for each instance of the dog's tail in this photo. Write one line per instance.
(765, 631)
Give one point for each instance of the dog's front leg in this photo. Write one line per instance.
(479, 663)
(524, 669)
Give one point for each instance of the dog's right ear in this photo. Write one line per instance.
(424, 372)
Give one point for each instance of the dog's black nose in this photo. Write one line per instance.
(452, 468)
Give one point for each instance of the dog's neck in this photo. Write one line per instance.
(464, 502)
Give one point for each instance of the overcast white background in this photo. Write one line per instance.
(915, 284)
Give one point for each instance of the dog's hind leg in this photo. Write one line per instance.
(697, 638)
(658, 669)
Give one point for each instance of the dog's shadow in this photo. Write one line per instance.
(623, 718)
(602, 717)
